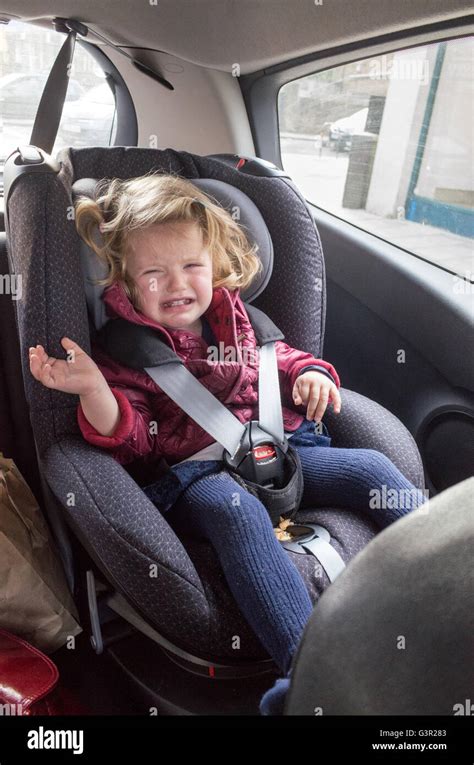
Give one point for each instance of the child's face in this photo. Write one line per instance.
(168, 262)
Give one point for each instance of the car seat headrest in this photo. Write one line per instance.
(229, 197)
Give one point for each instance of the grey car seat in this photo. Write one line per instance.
(186, 606)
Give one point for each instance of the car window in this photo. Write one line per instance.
(74, 90)
(386, 143)
(99, 95)
(89, 114)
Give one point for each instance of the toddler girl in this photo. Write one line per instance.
(177, 262)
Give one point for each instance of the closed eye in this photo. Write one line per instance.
(155, 270)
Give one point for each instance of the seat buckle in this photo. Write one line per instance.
(259, 458)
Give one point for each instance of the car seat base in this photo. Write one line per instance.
(165, 688)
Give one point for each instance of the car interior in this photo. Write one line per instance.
(345, 139)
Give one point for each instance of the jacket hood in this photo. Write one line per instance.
(118, 305)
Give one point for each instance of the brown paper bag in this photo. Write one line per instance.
(35, 601)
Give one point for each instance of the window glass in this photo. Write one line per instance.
(27, 53)
(387, 144)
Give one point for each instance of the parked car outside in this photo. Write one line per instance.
(89, 120)
(338, 135)
(20, 95)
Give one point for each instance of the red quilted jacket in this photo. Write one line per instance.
(175, 436)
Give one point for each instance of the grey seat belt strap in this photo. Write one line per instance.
(319, 545)
(270, 416)
(48, 115)
(328, 557)
(205, 409)
(194, 399)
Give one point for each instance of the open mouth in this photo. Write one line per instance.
(177, 304)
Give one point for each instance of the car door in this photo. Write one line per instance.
(394, 207)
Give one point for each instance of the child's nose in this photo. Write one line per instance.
(177, 281)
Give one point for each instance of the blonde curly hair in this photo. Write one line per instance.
(123, 206)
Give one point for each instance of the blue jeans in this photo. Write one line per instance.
(206, 502)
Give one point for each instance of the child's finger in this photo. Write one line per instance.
(66, 342)
(43, 374)
(48, 378)
(303, 390)
(41, 352)
(336, 399)
(312, 401)
(35, 365)
(72, 348)
(297, 398)
(323, 396)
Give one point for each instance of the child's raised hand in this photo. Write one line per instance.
(78, 374)
(316, 390)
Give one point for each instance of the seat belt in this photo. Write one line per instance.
(316, 541)
(139, 347)
(213, 417)
(256, 450)
(50, 109)
(194, 399)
